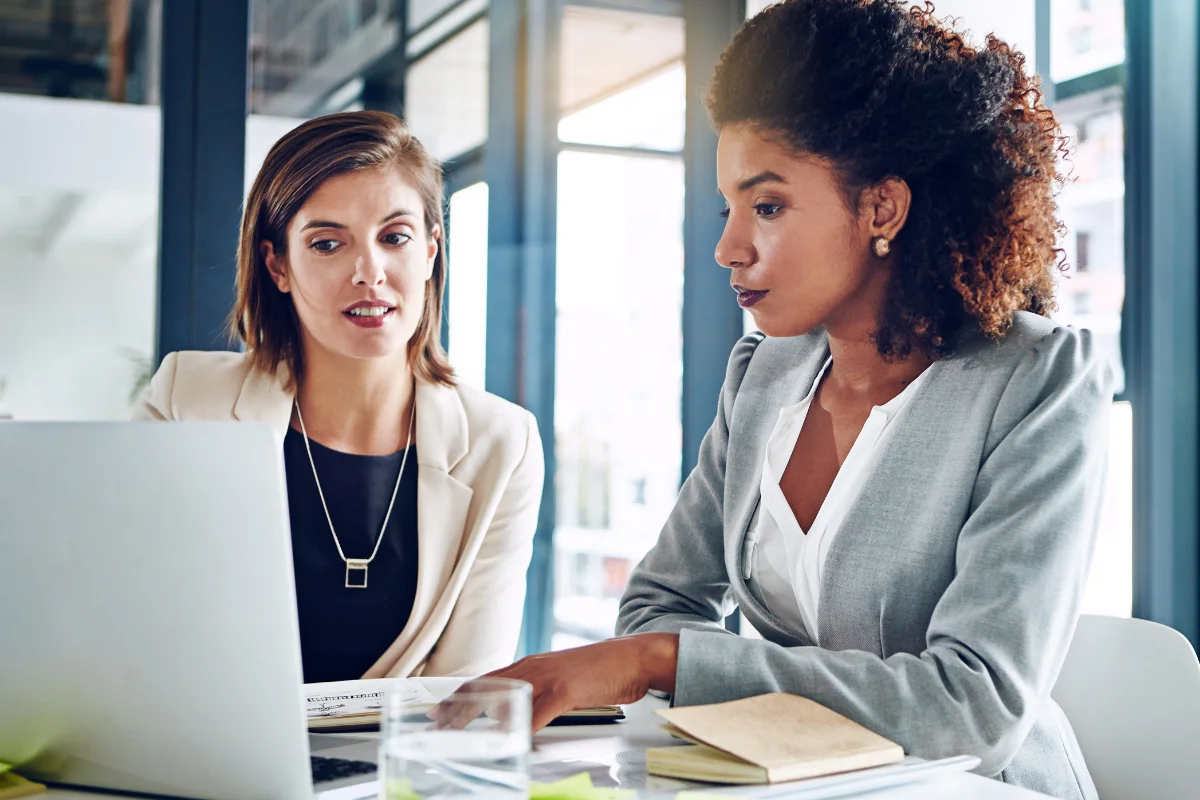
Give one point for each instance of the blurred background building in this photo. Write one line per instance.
(582, 219)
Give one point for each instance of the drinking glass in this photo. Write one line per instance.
(475, 743)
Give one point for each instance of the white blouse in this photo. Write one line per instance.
(783, 563)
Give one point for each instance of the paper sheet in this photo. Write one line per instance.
(350, 698)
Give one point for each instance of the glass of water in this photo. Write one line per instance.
(474, 743)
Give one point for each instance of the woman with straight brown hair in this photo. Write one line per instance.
(413, 499)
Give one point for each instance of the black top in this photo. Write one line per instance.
(344, 631)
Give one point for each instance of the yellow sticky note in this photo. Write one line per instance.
(576, 787)
(399, 789)
(13, 785)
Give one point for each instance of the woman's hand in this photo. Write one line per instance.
(608, 673)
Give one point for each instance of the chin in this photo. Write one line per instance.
(380, 347)
(778, 328)
(368, 353)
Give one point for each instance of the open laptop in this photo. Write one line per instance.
(148, 635)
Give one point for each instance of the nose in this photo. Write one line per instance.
(369, 268)
(734, 249)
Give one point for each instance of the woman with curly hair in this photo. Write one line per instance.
(901, 486)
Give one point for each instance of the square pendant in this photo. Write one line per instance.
(356, 573)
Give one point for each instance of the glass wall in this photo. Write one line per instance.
(1091, 292)
(1086, 36)
(79, 192)
(468, 243)
(446, 106)
(305, 53)
(446, 93)
(618, 368)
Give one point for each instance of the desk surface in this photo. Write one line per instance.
(613, 754)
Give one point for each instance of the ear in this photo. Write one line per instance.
(431, 251)
(276, 266)
(888, 204)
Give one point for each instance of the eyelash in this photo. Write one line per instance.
(759, 210)
(316, 246)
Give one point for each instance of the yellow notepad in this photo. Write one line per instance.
(771, 738)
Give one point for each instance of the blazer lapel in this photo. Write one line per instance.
(942, 406)
(263, 399)
(442, 499)
(443, 503)
(786, 370)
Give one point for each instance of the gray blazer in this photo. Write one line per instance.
(951, 593)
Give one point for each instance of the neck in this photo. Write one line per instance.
(859, 369)
(360, 406)
(857, 366)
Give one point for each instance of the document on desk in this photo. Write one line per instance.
(908, 771)
(358, 705)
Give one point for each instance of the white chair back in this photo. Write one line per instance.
(1131, 690)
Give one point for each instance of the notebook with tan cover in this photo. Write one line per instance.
(771, 738)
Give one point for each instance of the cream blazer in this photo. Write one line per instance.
(479, 488)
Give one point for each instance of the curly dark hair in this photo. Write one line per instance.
(881, 90)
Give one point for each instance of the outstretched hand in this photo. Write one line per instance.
(614, 672)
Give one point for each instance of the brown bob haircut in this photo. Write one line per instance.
(264, 317)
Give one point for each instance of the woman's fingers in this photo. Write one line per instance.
(459, 709)
(547, 706)
(606, 673)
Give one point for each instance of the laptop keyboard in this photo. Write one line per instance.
(333, 769)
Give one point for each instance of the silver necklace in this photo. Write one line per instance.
(358, 564)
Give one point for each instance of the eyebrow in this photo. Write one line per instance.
(324, 223)
(760, 178)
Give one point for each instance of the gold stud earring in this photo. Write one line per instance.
(881, 246)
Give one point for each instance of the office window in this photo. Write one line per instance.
(468, 225)
(1091, 294)
(618, 377)
(1086, 36)
(307, 57)
(86, 50)
(1011, 21)
(446, 94)
(78, 207)
(1092, 207)
(755, 6)
(623, 79)
(619, 366)
(422, 12)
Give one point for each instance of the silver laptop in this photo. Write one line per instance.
(148, 635)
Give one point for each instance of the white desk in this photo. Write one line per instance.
(616, 751)
(613, 755)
